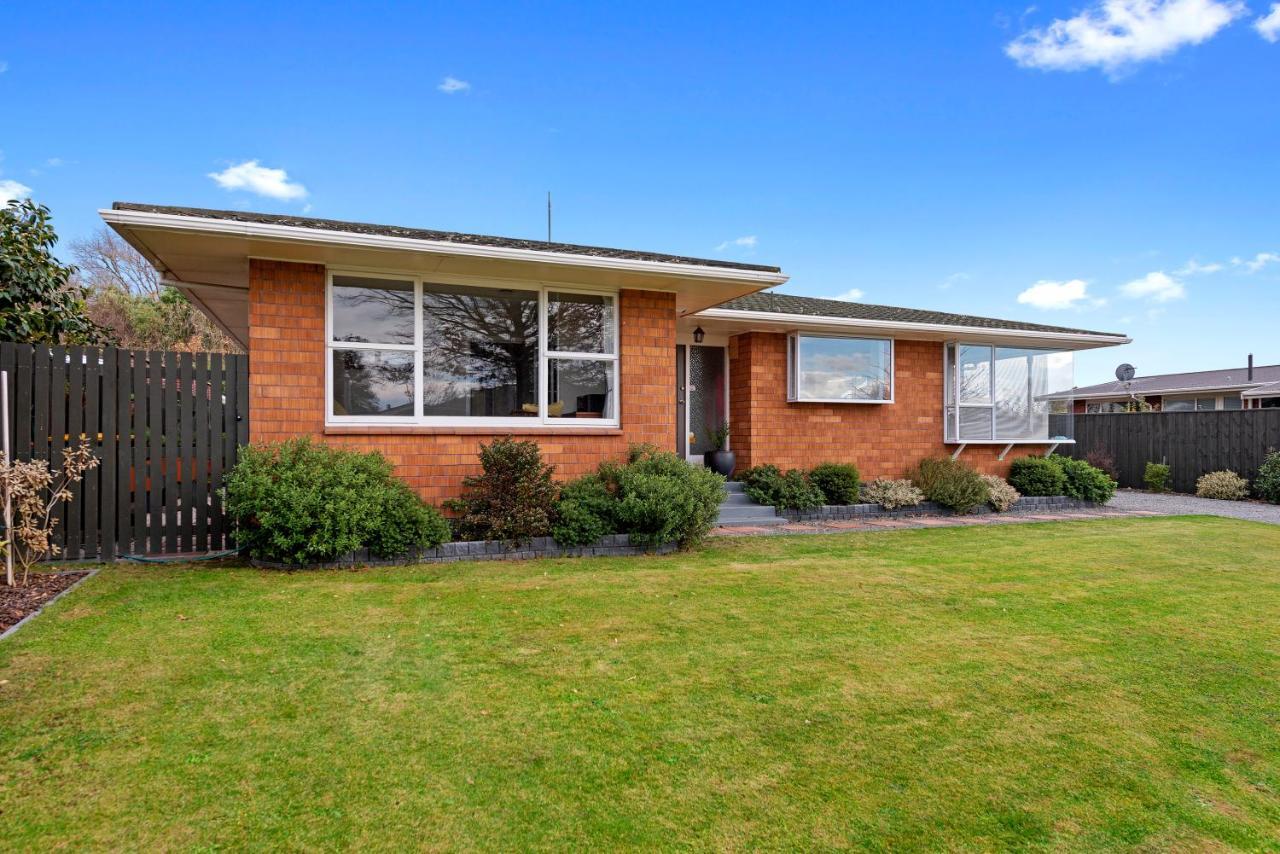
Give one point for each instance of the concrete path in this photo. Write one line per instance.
(1179, 505)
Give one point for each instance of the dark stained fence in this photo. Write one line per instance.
(1192, 443)
(166, 427)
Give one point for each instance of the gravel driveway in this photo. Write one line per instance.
(1177, 505)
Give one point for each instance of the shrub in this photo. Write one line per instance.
(513, 498)
(1083, 482)
(35, 490)
(766, 484)
(303, 502)
(1224, 485)
(1157, 477)
(892, 494)
(585, 513)
(1000, 495)
(655, 498)
(1267, 483)
(1036, 476)
(1100, 458)
(950, 483)
(838, 482)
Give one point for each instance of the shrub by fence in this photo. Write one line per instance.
(1191, 443)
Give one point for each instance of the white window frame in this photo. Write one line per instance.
(951, 380)
(542, 288)
(793, 368)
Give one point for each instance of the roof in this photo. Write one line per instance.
(813, 307)
(1227, 379)
(1264, 390)
(438, 236)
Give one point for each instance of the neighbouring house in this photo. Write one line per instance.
(422, 344)
(1249, 387)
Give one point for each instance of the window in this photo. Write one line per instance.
(1105, 408)
(1206, 404)
(409, 351)
(999, 393)
(1186, 404)
(833, 369)
(1231, 401)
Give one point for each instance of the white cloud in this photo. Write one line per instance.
(1195, 268)
(1257, 262)
(851, 295)
(10, 190)
(747, 242)
(1156, 286)
(1268, 26)
(452, 85)
(249, 176)
(954, 279)
(1115, 34)
(4, 66)
(1050, 295)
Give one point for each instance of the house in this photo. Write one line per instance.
(1249, 387)
(422, 344)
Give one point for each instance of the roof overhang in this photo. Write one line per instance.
(735, 321)
(208, 260)
(1146, 392)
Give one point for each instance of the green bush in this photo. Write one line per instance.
(1157, 477)
(950, 483)
(1001, 496)
(891, 494)
(655, 498)
(766, 484)
(512, 499)
(1223, 485)
(1037, 476)
(1267, 483)
(1083, 481)
(838, 482)
(302, 502)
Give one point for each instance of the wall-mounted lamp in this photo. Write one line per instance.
(698, 335)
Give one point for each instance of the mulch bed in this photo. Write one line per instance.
(19, 602)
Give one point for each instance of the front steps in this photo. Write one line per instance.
(738, 509)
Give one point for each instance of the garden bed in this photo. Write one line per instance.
(614, 545)
(1025, 504)
(18, 604)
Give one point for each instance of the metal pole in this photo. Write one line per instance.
(8, 504)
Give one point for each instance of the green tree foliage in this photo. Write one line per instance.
(39, 301)
(513, 498)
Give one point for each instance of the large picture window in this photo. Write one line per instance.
(997, 394)
(831, 369)
(418, 352)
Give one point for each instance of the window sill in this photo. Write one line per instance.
(421, 430)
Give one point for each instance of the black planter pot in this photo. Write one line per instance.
(720, 462)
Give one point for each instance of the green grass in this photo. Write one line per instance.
(1089, 685)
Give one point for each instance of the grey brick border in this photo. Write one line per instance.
(1025, 504)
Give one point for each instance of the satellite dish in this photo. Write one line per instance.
(1125, 372)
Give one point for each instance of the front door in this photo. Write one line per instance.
(703, 375)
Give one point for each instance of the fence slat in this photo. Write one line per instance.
(200, 510)
(74, 515)
(186, 459)
(92, 427)
(58, 427)
(155, 452)
(24, 381)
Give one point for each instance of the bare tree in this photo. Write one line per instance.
(105, 260)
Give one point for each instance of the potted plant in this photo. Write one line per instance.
(718, 459)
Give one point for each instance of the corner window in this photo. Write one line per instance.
(995, 394)
(417, 352)
(831, 369)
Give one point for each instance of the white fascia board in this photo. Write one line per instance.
(299, 234)
(1161, 392)
(800, 321)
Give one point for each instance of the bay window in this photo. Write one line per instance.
(410, 351)
(997, 394)
(837, 369)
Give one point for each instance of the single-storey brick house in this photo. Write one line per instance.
(423, 344)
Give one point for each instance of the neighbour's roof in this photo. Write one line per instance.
(1264, 390)
(437, 236)
(813, 307)
(1229, 378)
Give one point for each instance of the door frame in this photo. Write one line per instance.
(684, 341)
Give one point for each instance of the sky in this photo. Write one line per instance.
(1109, 165)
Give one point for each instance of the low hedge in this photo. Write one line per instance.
(1037, 477)
(1158, 477)
(950, 483)
(838, 482)
(301, 502)
(1267, 484)
(791, 490)
(1083, 482)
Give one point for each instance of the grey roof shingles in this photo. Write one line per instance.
(439, 236)
(1229, 378)
(812, 307)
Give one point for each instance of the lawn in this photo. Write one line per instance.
(1091, 685)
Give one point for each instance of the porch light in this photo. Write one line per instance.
(698, 335)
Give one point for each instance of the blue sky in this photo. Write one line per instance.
(1120, 162)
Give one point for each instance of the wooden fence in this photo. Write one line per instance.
(166, 427)
(1192, 443)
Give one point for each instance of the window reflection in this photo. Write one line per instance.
(372, 382)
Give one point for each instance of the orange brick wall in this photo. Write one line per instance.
(883, 440)
(286, 387)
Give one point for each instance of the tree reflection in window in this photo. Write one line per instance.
(372, 311)
(372, 382)
(479, 351)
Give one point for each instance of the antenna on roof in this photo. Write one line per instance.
(548, 216)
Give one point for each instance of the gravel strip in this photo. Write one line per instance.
(1179, 505)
